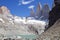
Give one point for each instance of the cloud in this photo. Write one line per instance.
(25, 2)
(32, 6)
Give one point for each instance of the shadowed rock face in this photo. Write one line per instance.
(54, 14)
(57, 2)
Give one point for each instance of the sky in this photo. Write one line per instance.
(23, 7)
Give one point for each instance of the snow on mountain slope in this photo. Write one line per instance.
(1, 20)
(23, 23)
(28, 22)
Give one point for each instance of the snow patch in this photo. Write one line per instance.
(1, 20)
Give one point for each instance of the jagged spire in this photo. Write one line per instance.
(45, 11)
(38, 11)
(32, 12)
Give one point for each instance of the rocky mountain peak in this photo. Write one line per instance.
(32, 14)
(4, 10)
(38, 10)
(38, 7)
(45, 11)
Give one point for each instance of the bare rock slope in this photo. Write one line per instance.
(53, 33)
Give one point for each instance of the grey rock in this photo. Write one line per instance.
(52, 33)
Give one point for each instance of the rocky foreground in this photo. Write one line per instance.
(53, 33)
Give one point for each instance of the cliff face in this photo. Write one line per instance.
(54, 15)
(45, 11)
(52, 33)
(57, 2)
(38, 11)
